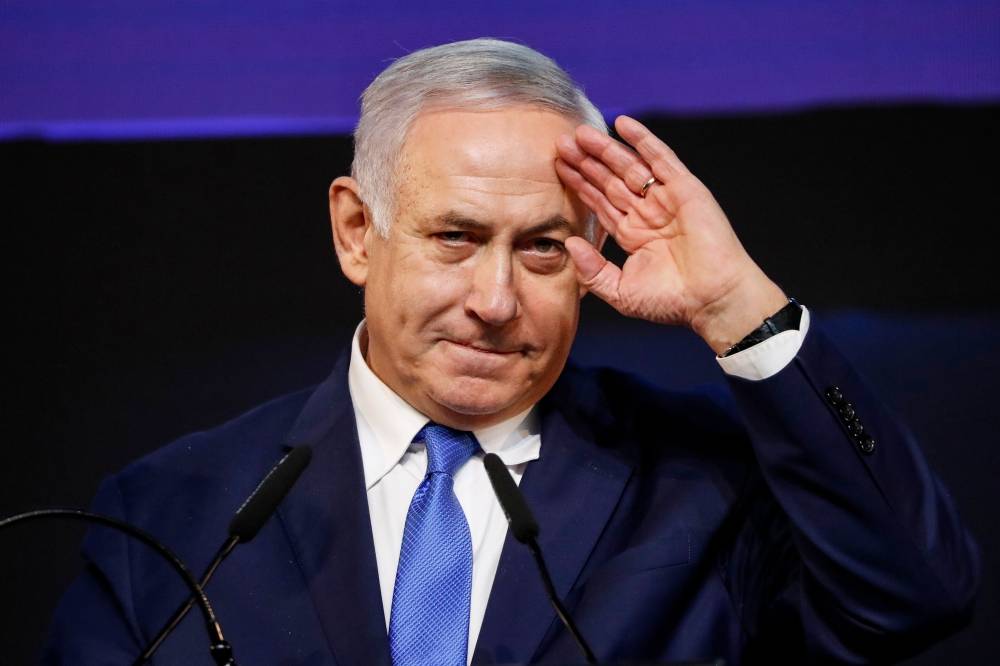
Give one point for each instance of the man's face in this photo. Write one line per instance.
(472, 301)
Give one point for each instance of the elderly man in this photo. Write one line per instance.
(483, 185)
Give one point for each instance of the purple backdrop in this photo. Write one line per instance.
(127, 68)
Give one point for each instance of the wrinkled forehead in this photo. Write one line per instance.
(512, 147)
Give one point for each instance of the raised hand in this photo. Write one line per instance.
(685, 266)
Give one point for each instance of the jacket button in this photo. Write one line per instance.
(855, 428)
(847, 411)
(867, 445)
(834, 395)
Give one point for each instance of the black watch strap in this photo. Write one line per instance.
(785, 319)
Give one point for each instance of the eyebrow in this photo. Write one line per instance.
(466, 223)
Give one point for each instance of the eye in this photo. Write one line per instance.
(543, 255)
(545, 246)
(453, 237)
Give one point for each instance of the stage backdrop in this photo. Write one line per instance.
(160, 287)
(120, 68)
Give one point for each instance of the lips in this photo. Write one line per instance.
(486, 349)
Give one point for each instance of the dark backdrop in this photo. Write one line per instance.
(154, 288)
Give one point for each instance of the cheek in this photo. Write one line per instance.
(438, 287)
(552, 305)
(421, 297)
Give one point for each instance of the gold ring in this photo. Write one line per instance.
(648, 184)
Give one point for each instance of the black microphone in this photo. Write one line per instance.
(249, 518)
(219, 648)
(266, 497)
(525, 529)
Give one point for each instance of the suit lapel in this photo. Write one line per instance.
(573, 489)
(326, 518)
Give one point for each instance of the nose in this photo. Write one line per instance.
(492, 295)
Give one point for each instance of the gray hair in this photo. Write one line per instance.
(482, 74)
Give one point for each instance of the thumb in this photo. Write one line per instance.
(595, 273)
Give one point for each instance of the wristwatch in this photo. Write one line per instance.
(785, 319)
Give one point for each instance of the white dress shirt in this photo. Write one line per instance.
(394, 466)
(765, 359)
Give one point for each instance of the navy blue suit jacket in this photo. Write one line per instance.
(674, 530)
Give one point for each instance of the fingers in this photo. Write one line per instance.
(596, 273)
(608, 214)
(663, 161)
(616, 169)
(622, 161)
(596, 172)
(609, 177)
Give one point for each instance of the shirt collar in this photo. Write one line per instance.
(394, 423)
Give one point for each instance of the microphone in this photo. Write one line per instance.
(219, 648)
(525, 529)
(266, 497)
(247, 521)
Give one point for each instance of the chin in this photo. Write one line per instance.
(476, 398)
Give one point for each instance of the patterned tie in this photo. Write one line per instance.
(429, 623)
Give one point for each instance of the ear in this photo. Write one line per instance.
(351, 223)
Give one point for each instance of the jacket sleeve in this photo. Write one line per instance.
(94, 622)
(880, 563)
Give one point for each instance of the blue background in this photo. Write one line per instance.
(122, 68)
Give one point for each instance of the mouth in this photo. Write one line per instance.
(487, 348)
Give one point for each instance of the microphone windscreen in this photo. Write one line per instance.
(522, 522)
(270, 491)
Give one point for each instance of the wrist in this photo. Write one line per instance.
(787, 318)
(728, 320)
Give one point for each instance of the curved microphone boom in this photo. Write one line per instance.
(219, 648)
(525, 529)
(247, 521)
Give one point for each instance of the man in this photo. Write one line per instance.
(482, 189)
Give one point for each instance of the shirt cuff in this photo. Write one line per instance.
(766, 359)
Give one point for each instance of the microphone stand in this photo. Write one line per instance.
(219, 647)
(186, 606)
(525, 529)
(249, 518)
(561, 611)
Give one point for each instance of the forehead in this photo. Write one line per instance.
(506, 151)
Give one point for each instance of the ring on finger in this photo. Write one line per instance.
(648, 184)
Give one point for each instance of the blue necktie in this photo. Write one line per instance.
(429, 623)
